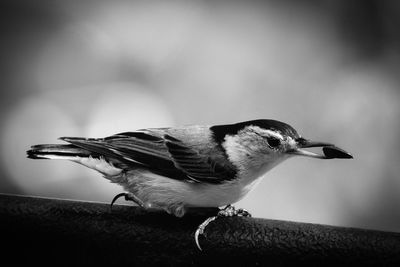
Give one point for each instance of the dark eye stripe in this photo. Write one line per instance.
(273, 142)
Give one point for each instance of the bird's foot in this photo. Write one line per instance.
(128, 197)
(228, 211)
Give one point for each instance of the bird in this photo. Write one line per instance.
(178, 168)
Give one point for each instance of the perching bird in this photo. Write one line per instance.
(193, 166)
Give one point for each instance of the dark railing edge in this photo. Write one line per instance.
(88, 232)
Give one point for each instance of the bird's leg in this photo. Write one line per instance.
(228, 211)
(128, 196)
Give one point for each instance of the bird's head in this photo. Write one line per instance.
(262, 144)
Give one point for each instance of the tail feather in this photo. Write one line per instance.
(54, 151)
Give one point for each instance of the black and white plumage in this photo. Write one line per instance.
(191, 166)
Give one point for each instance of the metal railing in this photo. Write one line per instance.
(61, 232)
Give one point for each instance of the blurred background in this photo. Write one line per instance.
(95, 68)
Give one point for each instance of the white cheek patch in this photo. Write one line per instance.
(234, 149)
(249, 153)
(291, 142)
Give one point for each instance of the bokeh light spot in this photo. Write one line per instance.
(35, 121)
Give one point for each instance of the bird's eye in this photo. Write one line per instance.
(273, 142)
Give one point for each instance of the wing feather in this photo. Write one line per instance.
(199, 166)
(160, 153)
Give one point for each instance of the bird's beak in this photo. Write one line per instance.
(330, 151)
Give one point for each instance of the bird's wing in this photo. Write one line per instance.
(160, 153)
(202, 167)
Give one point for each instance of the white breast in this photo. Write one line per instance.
(163, 192)
(217, 195)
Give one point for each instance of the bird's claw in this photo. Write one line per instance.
(201, 228)
(117, 197)
(228, 211)
(128, 197)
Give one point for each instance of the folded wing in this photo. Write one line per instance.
(159, 153)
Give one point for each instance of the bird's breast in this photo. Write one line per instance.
(157, 190)
(217, 195)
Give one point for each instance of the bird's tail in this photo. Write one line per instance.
(56, 151)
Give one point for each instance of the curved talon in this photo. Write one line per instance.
(117, 197)
(228, 211)
(201, 228)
